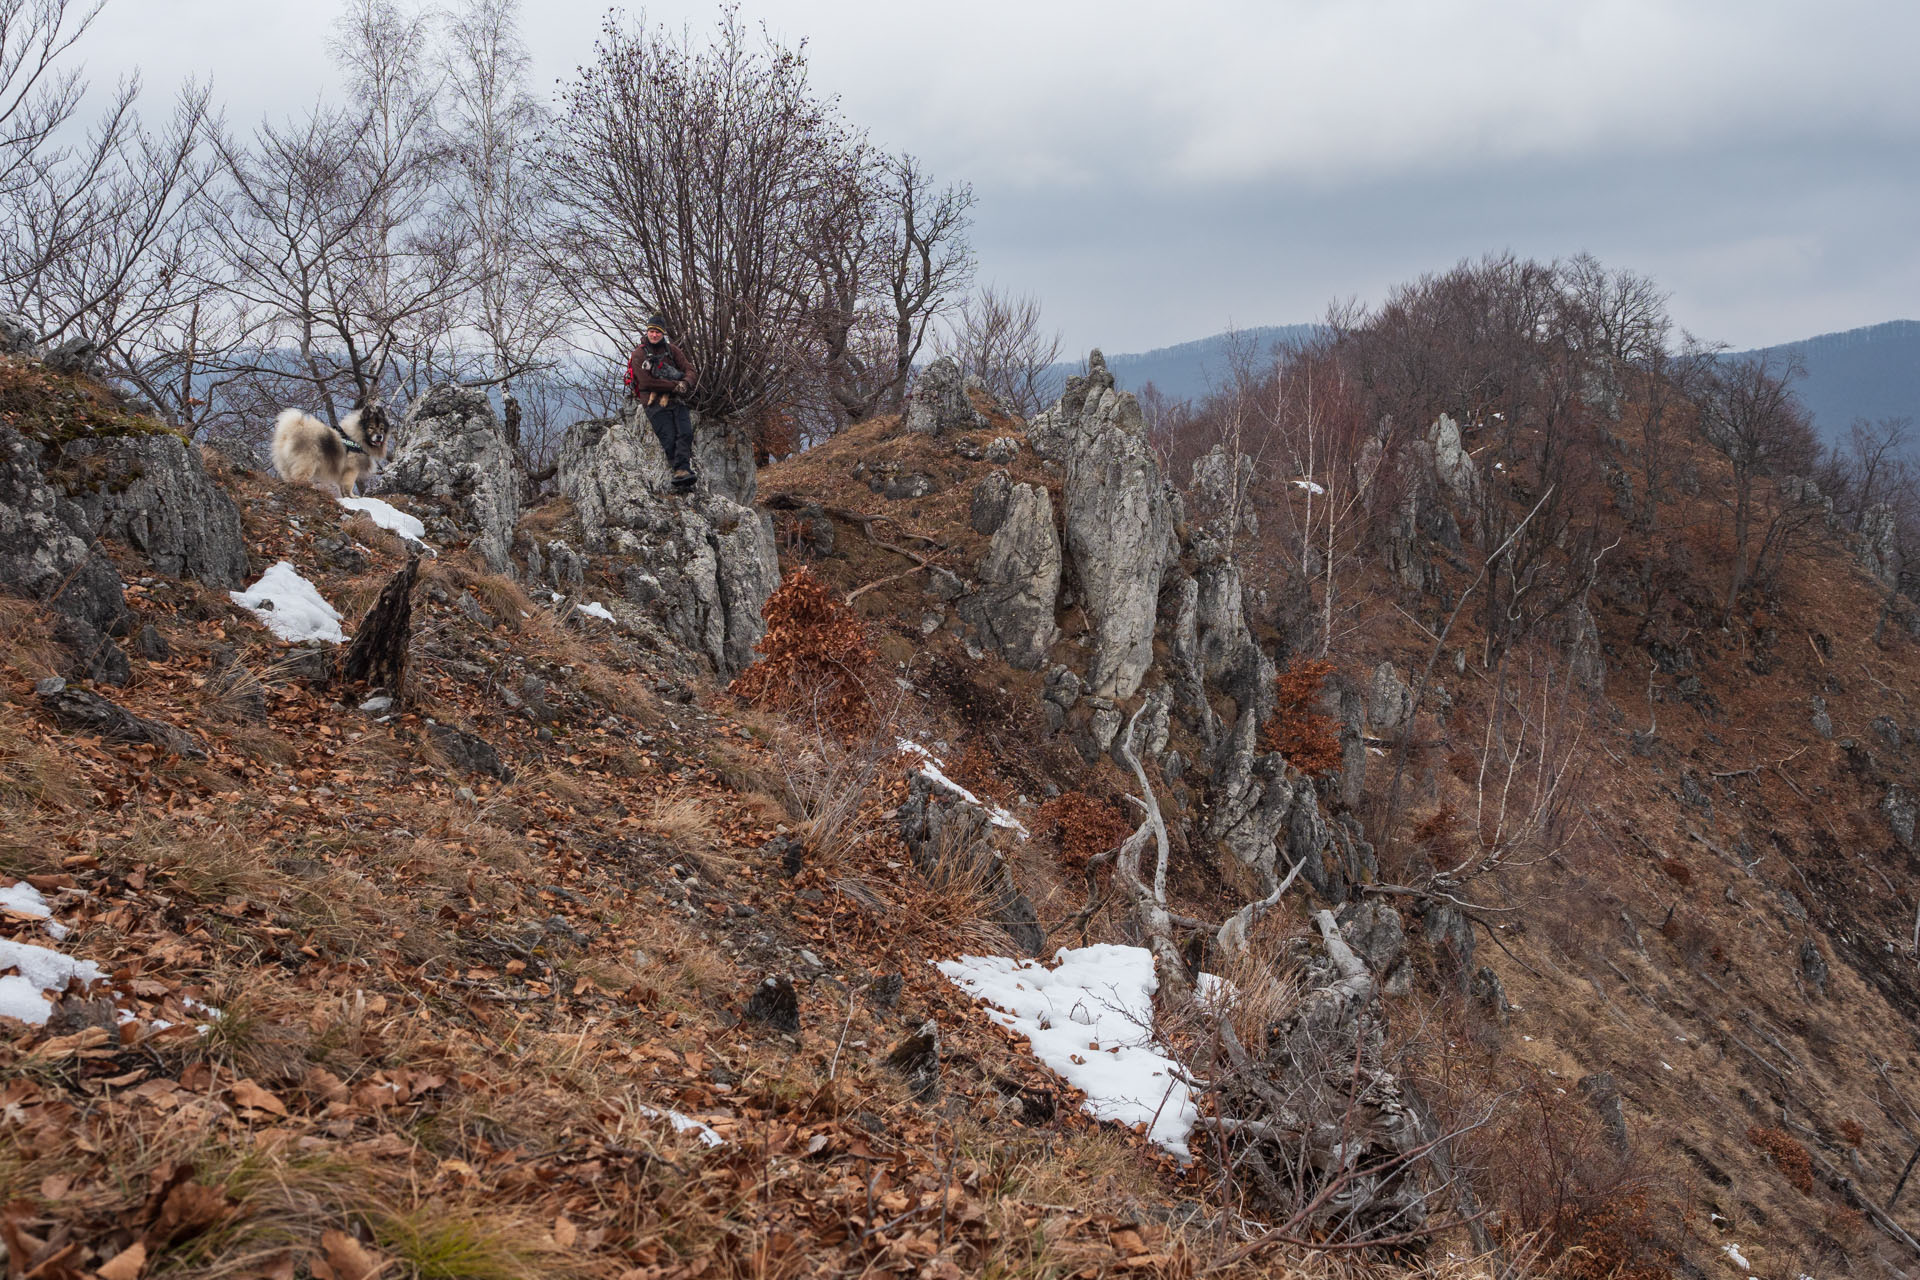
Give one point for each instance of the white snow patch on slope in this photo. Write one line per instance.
(290, 606)
(388, 517)
(1090, 1019)
(685, 1124)
(598, 610)
(22, 995)
(1308, 485)
(930, 769)
(1733, 1253)
(23, 899)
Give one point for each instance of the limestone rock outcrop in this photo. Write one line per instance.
(1119, 521)
(151, 491)
(949, 839)
(452, 445)
(47, 553)
(940, 405)
(1879, 546)
(701, 564)
(1013, 607)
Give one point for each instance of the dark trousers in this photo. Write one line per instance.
(674, 426)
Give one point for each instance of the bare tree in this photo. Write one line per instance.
(928, 260)
(37, 97)
(997, 337)
(685, 177)
(1751, 417)
(325, 303)
(490, 126)
(103, 246)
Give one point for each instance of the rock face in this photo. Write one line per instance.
(1389, 701)
(702, 564)
(1880, 545)
(940, 405)
(1119, 521)
(723, 459)
(1453, 467)
(948, 839)
(47, 554)
(1019, 581)
(152, 492)
(453, 445)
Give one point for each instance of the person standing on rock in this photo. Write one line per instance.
(659, 375)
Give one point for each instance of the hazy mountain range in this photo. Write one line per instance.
(1870, 373)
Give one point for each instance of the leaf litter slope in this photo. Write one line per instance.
(460, 1019)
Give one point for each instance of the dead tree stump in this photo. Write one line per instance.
(378, 656)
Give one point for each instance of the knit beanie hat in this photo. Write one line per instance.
(658, 321)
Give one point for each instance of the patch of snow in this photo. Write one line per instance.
(388, 517)
(1733, 1252)
(1665, 1067)
(24, 900)
(930, 769)
(1090, 1019)
(290, 606)
(1214, 993)
(685, 1124)
(598, 610)
(23, 995)
(1309, 486)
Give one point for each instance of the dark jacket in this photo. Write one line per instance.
(648, 360)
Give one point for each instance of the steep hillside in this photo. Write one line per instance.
(1869, 373)
(547, 956)
(1585, 949)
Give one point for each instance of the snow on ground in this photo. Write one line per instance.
(388, 517)
(930, 769)
(290, 606)
(1308, 485)
(1213, 993)
(598, 610)
(685, 1124)
(23, 995)
(1090, 1019)
(24, 900)
(1733, 1254)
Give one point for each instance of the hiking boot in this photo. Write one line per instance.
(683, 479)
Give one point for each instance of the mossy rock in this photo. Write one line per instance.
(54, 409)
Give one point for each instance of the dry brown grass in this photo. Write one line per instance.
(33, 773)
(684, 821)
(26, 639)
(545, 522)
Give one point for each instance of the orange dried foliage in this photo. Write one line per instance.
(1085, 827)
(1851, 1132)
(814, 660)
(1678, 871)
(1787, 1155)
(1308, 737)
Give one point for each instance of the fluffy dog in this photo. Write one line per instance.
(308, 451)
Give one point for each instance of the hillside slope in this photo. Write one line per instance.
(552, 956)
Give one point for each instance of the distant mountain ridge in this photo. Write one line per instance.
(1189, 370)
(1870, 373)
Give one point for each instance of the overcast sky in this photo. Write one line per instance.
(1157, 172)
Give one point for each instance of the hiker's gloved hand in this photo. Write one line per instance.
(680, 387)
